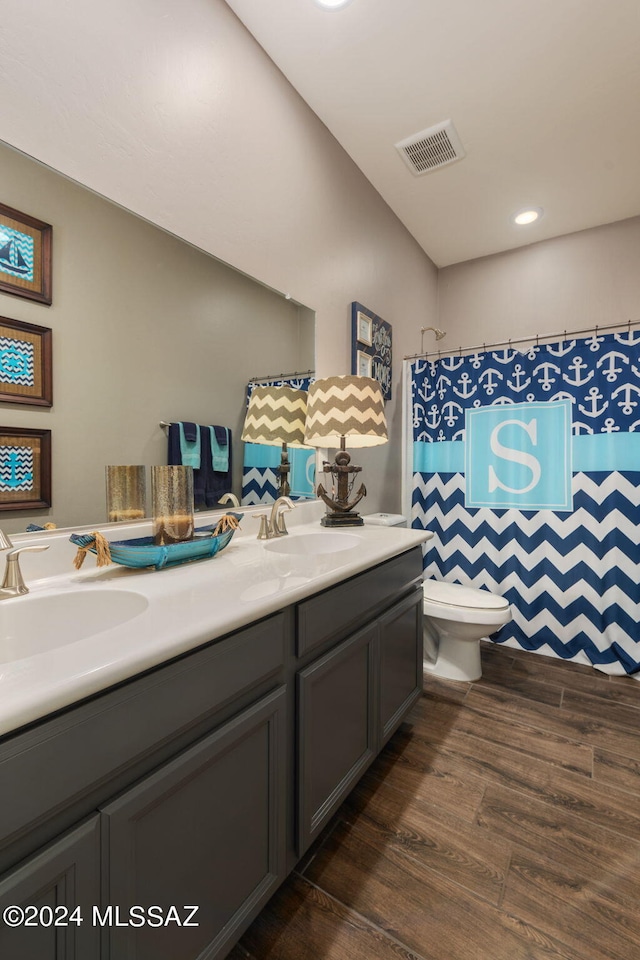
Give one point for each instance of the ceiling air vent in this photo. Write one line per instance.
(432, 148)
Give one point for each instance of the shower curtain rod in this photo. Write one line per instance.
(563, 335)
(282, 376)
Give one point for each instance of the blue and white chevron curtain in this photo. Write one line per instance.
(567, 557)
(259, 477)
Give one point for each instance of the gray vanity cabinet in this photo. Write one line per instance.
(201, 782)
(57, 889)
(352, 697)
(206, 830)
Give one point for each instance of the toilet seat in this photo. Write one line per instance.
(467, 598)
(451, 601)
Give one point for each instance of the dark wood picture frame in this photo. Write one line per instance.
(25, 255)
(25, 468)
(25, 363)
(371, 337)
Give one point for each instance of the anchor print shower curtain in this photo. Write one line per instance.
(526, 467)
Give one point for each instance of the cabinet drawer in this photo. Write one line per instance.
(332, 614)
(78, 751)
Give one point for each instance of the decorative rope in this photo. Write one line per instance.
(103, 553)
(228, 522)
(50, 526)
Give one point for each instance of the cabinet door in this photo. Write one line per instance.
(400, 663)
(206, 830)
(57, 888)
(336, 732)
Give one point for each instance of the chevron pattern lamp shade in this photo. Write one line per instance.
(276, 415)
(340, 409)
(348, 406)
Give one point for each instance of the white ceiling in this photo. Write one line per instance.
(544, 94)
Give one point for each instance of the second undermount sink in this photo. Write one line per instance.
(35, 624)
(312, 544)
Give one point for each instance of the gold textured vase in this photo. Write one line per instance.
(126, 493)
(172, 500)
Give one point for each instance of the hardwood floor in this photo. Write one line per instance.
(501, 823)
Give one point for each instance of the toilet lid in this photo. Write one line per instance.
(455, 595)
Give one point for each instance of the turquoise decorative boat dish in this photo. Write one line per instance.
(143, 552)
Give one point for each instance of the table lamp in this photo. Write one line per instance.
(339, 408)
(276, 415)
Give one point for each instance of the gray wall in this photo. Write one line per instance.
(569, 283)
(145, 328)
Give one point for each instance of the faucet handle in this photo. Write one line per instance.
(13, 580)
(264, 532)
(32, 548)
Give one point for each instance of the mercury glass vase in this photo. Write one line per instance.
(126, 493)
(172, 502)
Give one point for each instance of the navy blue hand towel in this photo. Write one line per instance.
(191, 431)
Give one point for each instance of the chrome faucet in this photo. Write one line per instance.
(13, 584)
(273, 525)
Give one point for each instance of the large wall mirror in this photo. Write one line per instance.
(146, 328)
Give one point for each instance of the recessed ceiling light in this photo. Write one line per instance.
(332, 4)
(530, 215)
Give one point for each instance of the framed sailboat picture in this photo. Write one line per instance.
(25, 255)
(25, 363)
(25, 468)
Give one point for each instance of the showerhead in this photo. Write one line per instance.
(439, 334)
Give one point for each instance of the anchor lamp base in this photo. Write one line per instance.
(342, 520)
(340, 512)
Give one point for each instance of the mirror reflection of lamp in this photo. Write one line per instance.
(339, 408)
(276, 416)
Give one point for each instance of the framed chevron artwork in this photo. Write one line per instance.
(25, 468)
(25, 255)
(25, 363)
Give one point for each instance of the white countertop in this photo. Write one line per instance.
(185, 606)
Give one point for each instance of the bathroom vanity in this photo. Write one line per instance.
(152, 819)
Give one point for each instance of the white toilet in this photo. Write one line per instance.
(456, 619)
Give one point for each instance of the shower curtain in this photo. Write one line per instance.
(259, 477)
(526, 467)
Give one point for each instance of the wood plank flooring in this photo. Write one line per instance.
(501, 823)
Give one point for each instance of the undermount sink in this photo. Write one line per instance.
(312, 544)
(34, 624)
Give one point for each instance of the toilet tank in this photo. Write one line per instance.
(385, 519)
